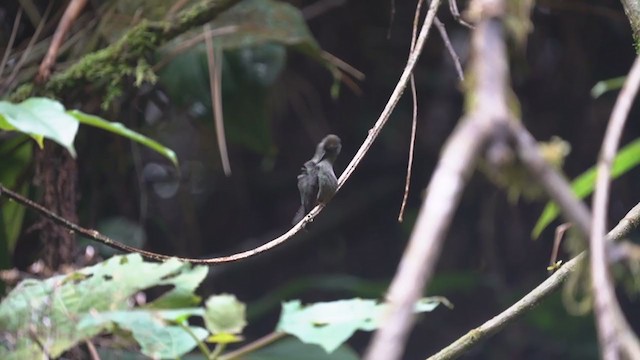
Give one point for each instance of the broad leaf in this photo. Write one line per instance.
(157, 338)
(120, 129)
(330, 324)
(40, 117)
(49, 310)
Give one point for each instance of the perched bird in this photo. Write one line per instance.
(317, 182)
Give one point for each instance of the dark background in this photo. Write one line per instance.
(352, 249)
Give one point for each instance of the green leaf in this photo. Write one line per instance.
(224, 314)
(120, 129)
(40, 117)
(157, 339)
(627, 158)
(604, 86)
(63, 300)
(330, 324)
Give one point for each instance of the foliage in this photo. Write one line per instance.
(45, 118)
(627, 158)
(65, 310)
(331, 324)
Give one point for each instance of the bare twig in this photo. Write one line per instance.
(447, 43)
(614, 333)
(70, 14)
(489, 328)
(481, 333)
(7, 83)
(253, 346)
(95, 235)
(12, 38)
(342, 65)
(93, 352)
(560, 231)
(453, 8)
(394, 98)
(214, 62)
(414, 113)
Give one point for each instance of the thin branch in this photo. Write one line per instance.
(253, 346)
(447, 43)
(489, 328)
(394, 98)
(342, 65)
(614, 333)
(12, 38)
(7, 83)
(560, 231)
(414, 113)
(453, 8)
(546, 288)
(70, 15)
(95, 235)
(93, 352)
(214, 63)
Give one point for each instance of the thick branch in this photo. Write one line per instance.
(614, 333)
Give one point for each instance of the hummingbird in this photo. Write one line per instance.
(317, 182)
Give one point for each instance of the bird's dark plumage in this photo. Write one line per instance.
(317, 182)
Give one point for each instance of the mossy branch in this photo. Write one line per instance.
(109, 67)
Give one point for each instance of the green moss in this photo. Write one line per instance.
(22, 93)
(107, 69)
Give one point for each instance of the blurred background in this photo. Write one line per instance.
(279, 99)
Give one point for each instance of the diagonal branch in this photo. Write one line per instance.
(629, 223)
(614, 333)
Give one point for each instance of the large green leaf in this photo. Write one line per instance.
(40, 117)
(627, 158)
(49, 310)
(330, 324)
(157, 338)
(45, 118)
(120, 129)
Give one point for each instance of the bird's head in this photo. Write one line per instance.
(330, 147)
